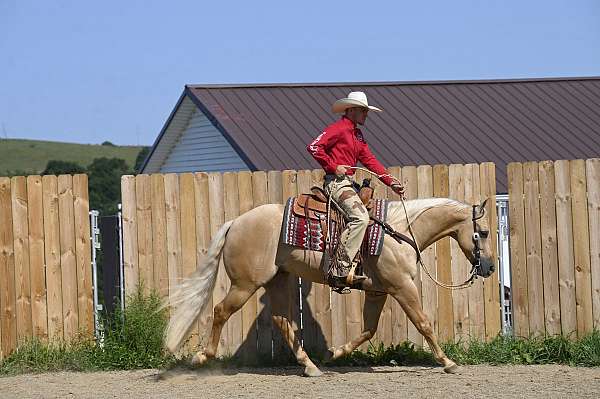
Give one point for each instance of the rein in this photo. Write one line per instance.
(401, 237)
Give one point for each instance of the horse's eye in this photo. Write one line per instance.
(484, 233)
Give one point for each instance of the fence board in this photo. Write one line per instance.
(143, 197)
(52, 254)
(81, 209)
(188, 236)
(202, 205)
(445, 304)
(35, 217)
(275, 196)
(535, 285)
(172, 214)
(8, 325)
(353, 302)
(68, 263)
(428, 287)
(21, 257)
(566, 261)
(159, 236)
(322, 292)
(310, 336)
(459, 264)
(217, 218)
(130, 248)
(411, 186)
(290, 189)
(232, 210)
(491, 290)
(517, 250)
(249, 310)
(384, 328)
(593, 188)
(549, 247)
(581, 248)
(475, 292)
(398, 317)
(264, 321)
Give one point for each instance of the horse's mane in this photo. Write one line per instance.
(416, 208)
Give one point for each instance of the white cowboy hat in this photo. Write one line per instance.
(354, 99)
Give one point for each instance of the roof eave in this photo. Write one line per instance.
(220, 128)
(162, 132)
(389, 83)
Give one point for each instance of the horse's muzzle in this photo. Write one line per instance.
(486, 267)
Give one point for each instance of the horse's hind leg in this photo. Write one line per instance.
(408, 297)
(371, 312)
(278, 290)
(233, 301)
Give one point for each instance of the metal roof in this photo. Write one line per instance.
(423, 122)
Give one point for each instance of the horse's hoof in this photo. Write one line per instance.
(312, 371)
(333, 354)
(451, 369)
(199, 359)
(328, 355)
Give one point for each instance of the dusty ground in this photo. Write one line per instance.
(379, 382)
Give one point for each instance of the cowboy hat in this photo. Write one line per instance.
(354, 99)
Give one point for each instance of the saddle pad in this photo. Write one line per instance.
(308, 233)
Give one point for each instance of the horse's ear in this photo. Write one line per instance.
(482, 207)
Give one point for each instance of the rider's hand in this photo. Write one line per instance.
(340, 170)
(398, 189)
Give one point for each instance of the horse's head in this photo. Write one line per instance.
(473, 236)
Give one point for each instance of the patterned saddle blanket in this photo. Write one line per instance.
(305, 226)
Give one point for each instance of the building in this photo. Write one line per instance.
(267, 126)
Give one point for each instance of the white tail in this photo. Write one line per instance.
(191, 296)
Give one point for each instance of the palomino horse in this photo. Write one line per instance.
(254, 257)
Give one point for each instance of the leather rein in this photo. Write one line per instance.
(477, 235)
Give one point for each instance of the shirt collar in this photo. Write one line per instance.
(348, 121)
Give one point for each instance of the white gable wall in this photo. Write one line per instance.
(201, 147)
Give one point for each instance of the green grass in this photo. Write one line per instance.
(404, 354)
(536, 350)
(134, 340)
(25, 157)
(133, 344)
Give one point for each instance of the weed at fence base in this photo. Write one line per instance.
(132, 339)
(555, 349)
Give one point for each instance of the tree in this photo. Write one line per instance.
(105, 183)
(108, 143)
(141, 157)
(57, 167)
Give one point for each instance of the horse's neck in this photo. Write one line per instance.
(437, 223)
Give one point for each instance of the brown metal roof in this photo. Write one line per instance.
(422, 123)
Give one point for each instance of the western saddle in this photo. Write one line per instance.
(314, 205)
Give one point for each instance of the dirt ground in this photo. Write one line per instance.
(378, 382)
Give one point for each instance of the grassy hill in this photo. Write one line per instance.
(31, 156)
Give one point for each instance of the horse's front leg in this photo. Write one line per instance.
(408, 297)
(278, 291)
(371, 312)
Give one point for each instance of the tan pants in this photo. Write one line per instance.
(342, 192)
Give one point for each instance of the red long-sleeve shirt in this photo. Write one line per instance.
(342, 143)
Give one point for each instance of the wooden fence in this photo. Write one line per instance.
(555, 246)
(168, 221)
(45, 273)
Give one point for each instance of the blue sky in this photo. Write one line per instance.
(84, 71)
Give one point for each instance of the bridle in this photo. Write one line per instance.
(478, 234)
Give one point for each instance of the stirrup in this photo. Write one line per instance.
(352, 279)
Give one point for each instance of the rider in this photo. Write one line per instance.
(338, 149)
